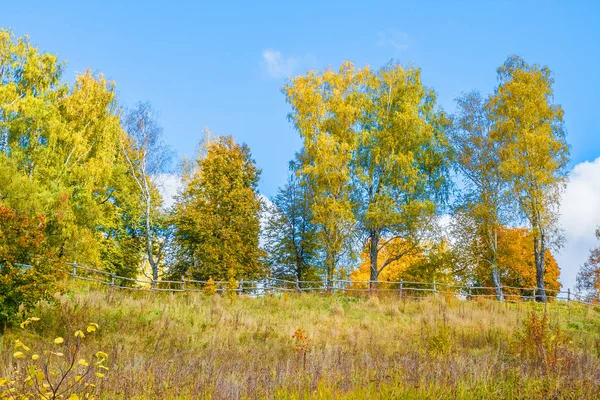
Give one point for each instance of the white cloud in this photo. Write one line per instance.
(395, 39)
(580, 215)
(169, 186)
(279, 66)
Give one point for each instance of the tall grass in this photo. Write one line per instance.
(191, 346)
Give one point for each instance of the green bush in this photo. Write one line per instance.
(27, 272)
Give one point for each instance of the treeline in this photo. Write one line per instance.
(376, 172)
(380, 166)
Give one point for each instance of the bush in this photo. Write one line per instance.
(544, 347)
(28, 273)
(56, 371)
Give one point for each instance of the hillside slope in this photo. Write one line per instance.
(190, 346)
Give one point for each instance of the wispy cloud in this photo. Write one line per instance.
(279, 66)
(395, 39)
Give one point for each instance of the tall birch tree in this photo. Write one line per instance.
(147, 156)
(376, 136)
(482, 207)
(530, 132)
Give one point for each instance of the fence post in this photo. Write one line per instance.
(298, 285)
(182, 283)
(241, 286)
(401, 286)
(74, 268)
(469, 296)
(434, 288)
(568, 295)
(112, 279)
(534, 293)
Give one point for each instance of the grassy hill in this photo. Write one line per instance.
(192, 346)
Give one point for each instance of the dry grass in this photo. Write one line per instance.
(189, 346)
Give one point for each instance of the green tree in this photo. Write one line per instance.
(28, 272)
(60, 152)
(533, 150)
(375, 138)
(290, 234)
(216, 219)
(483, 204)
(588, 277)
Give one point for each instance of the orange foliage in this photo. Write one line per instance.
(516, 262)
(394, 271)
(22, 241)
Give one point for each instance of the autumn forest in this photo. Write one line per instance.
(386, 186)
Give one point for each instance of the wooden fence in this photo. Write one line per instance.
(269, 285)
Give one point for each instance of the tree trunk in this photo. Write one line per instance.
(149, 246)
(539, 249)
(373, 253)
(493, 235)
(329, 265)
(497, 283)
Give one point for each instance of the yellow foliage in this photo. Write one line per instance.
(52, 378)
(209, 287)
(395, 270)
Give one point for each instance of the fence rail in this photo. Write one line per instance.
(270, 285)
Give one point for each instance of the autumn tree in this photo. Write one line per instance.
(324, 163)
(97, 193)
(482, 206)
(216, 219)
(434, 262)
(147, 156)
(28, 272)
(533, 152)
(290, 234)
(396, 270)
(60, 152)
(516, 261)
(375, 153)
(588, 277)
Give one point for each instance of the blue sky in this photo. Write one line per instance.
(221, 64)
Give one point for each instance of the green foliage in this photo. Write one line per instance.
(290, 234)
(181, 346)
(438, 340)
(482, 205)
(59, 154)
(533, 152)
(588, 277)
(77, 182)
(544, 346)
(28, 273)
(375, 152)
(217, 216)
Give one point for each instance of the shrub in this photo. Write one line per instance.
(57, 372)
(232, 286)
(209, 287)
(301, 344)
(27, 271)
(543, 346)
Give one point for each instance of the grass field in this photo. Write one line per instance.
(192, 346)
